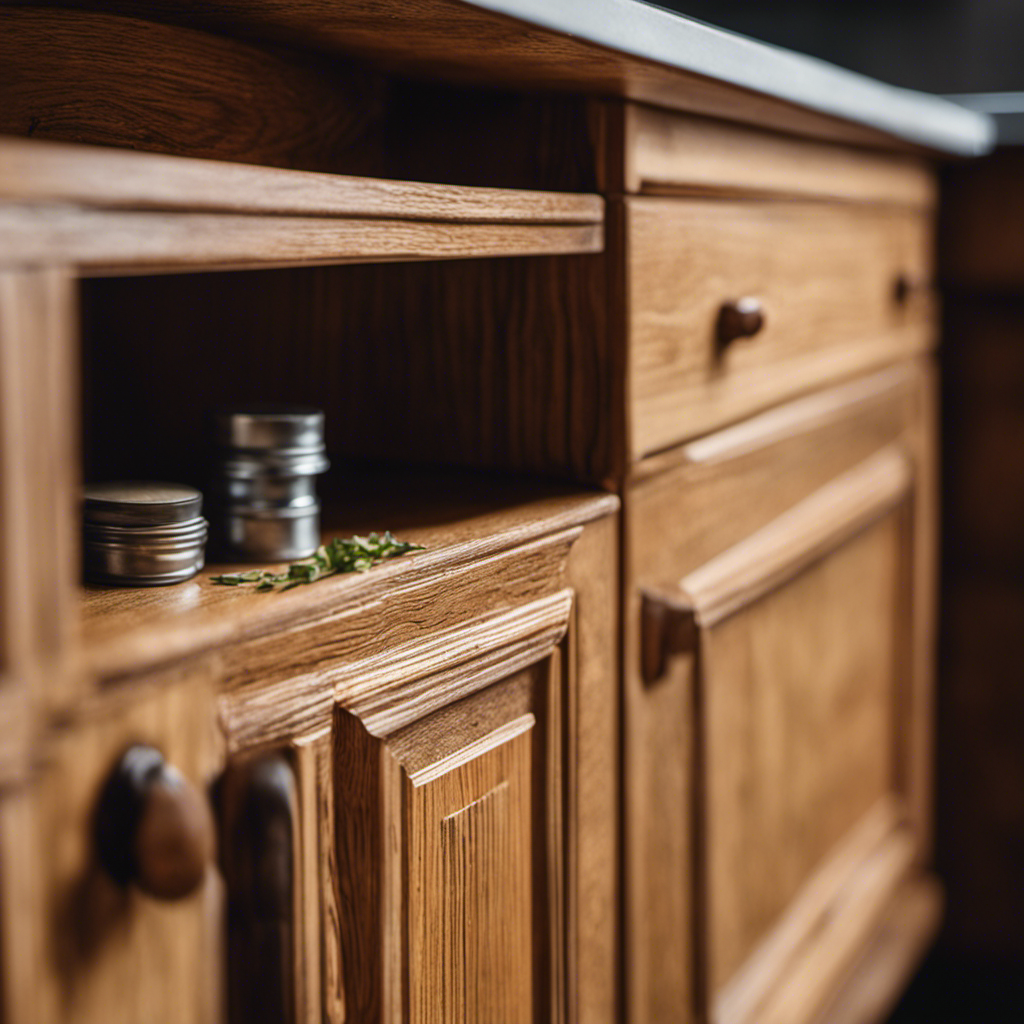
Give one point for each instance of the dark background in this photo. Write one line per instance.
(943, 46)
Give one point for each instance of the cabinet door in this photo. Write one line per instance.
(96, 933)
(450, 858)
(782, 657)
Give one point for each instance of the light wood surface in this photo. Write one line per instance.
(33, 171)
(125, 629)
(96, 242)
(468, 826)
(672, 154)
(825, 276)
(92, 950)
(797, 737)
(706, 504)
(894, 953)
(38, 475)
(796, 540)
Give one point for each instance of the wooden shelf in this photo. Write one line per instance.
(129, 630)
(104, 211)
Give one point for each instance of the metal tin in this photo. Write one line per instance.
(269, 457)
(142, 534)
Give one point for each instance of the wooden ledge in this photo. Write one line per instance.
(129, 630)
(107, 211)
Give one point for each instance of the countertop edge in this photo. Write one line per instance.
(664, 37)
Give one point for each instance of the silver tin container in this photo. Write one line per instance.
(142, 534)
(269, 458)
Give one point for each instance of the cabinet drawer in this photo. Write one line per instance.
(840, 288)
(772, 611)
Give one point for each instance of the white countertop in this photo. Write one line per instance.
(664, 37)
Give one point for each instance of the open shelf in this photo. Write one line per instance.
(102, 211)
(457, 517)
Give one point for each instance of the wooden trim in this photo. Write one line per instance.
(403, 683)
(779, 551)
(110, 242)
(53, 172)
(677, 154)
(834, 939)
(900, 942)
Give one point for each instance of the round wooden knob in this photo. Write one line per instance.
(153, 828)
(739, 318)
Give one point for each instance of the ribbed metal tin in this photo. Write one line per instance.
(142, 534)
(268, 460)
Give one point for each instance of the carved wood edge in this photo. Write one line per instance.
(771, 557)
(855, 881)
(38, 171)
(403, 683)
(800, 416)
(497, 738)
(176, 638)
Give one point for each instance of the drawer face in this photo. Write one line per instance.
(769, 629)
(826, 277)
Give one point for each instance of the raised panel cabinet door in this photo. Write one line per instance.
(796, 637)
(451, 868)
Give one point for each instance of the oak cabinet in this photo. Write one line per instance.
(651, 744)
(774, 634)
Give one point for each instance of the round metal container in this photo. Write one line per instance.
(142, 534)
(269, 457)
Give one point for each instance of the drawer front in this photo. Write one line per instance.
(839, 289)
(772, 635)
(668, 153)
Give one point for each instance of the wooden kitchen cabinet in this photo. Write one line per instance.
(646, 742)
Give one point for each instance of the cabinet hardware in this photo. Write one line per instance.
(257, 801)
(667, 627)
(739, 318)
(153, 828)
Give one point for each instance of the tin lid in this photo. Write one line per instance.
(270, 427)
(140, 503)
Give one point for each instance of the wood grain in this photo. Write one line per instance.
(798, 736)
(825, 276)
(682, 512)
(38, 475)
(80, 76)
(439, 39)
(126, 629)
(105, 243)
(673, 154)
(36, 172)
(796, 540)
(104, 953)
(592, 767)
(508, 364)
(469, 852)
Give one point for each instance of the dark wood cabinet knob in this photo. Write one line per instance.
(739, 318)
(154, 829)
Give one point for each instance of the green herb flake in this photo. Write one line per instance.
(339, 555)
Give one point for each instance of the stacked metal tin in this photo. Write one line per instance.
(268, 459)
(142, 534)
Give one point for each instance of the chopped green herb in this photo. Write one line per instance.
(354, 554)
